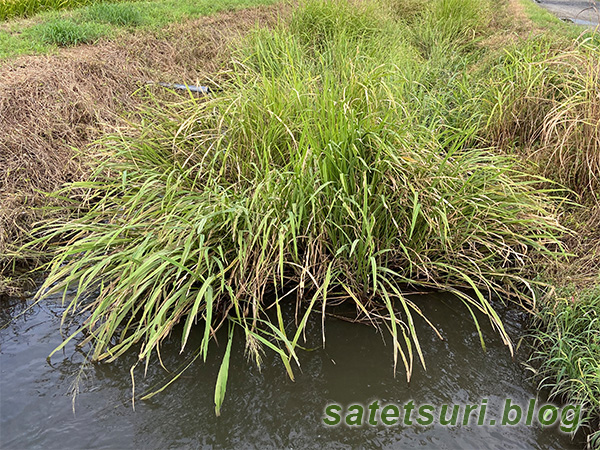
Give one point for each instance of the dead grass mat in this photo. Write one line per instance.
(53, 105)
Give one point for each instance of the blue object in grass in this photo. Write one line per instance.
(186, 87)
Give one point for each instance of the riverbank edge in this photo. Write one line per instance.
(54, 106)
(559, 298)
(565, 330)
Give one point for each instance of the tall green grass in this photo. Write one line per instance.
(544, 103)
(324, 168)
(567, 355)
(24, 8)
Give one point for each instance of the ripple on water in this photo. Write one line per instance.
(263, 409)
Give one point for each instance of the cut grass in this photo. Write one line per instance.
(106, 20)
(330, 165)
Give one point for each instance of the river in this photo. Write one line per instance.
(263, 408)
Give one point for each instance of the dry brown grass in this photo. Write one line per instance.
(583, 269)
(547, 107)
(571, 131)
(52, 105)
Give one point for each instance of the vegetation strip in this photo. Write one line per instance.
(10, 9)
(354, 153)
(45, 32)
(567, 355)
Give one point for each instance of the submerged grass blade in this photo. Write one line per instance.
(221, 385)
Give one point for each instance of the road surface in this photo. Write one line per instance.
(581, 12)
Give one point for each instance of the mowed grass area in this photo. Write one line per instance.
(49, 30)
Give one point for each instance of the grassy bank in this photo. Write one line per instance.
(567, 356)
(560, 82)
(52, 107)
(10, 9)
(48, 31)
(566, 329)
(356, 152)
(343, 159)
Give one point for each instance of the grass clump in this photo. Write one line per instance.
(66, 32)
(312, 172)
(115, 14)
(10, 9)
(567, 355)
(544, 103)
(25, 8)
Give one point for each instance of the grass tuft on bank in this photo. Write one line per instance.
(567, 356)
(65, 33)
(343, 158)
(115, 14)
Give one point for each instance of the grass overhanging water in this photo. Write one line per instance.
(354, 153)
(567, 353)
(315, 168)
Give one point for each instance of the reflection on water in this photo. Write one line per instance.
(262, 409)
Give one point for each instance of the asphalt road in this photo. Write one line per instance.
(581, 12)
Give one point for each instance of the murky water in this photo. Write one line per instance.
(263, 409)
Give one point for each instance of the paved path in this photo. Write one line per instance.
(581, 12)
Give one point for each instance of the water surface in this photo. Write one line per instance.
(263, 408)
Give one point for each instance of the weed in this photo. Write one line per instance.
(64, 32)
(311, 172)
(567, 353)
(115, 14)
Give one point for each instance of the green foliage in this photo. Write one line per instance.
(322, 168)
(11, 45)
(567, 353)
(66, 33)
(116, 14)
(449, 26)
(106, 19)
(25, 8)
(548, 21)
(544, 101)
